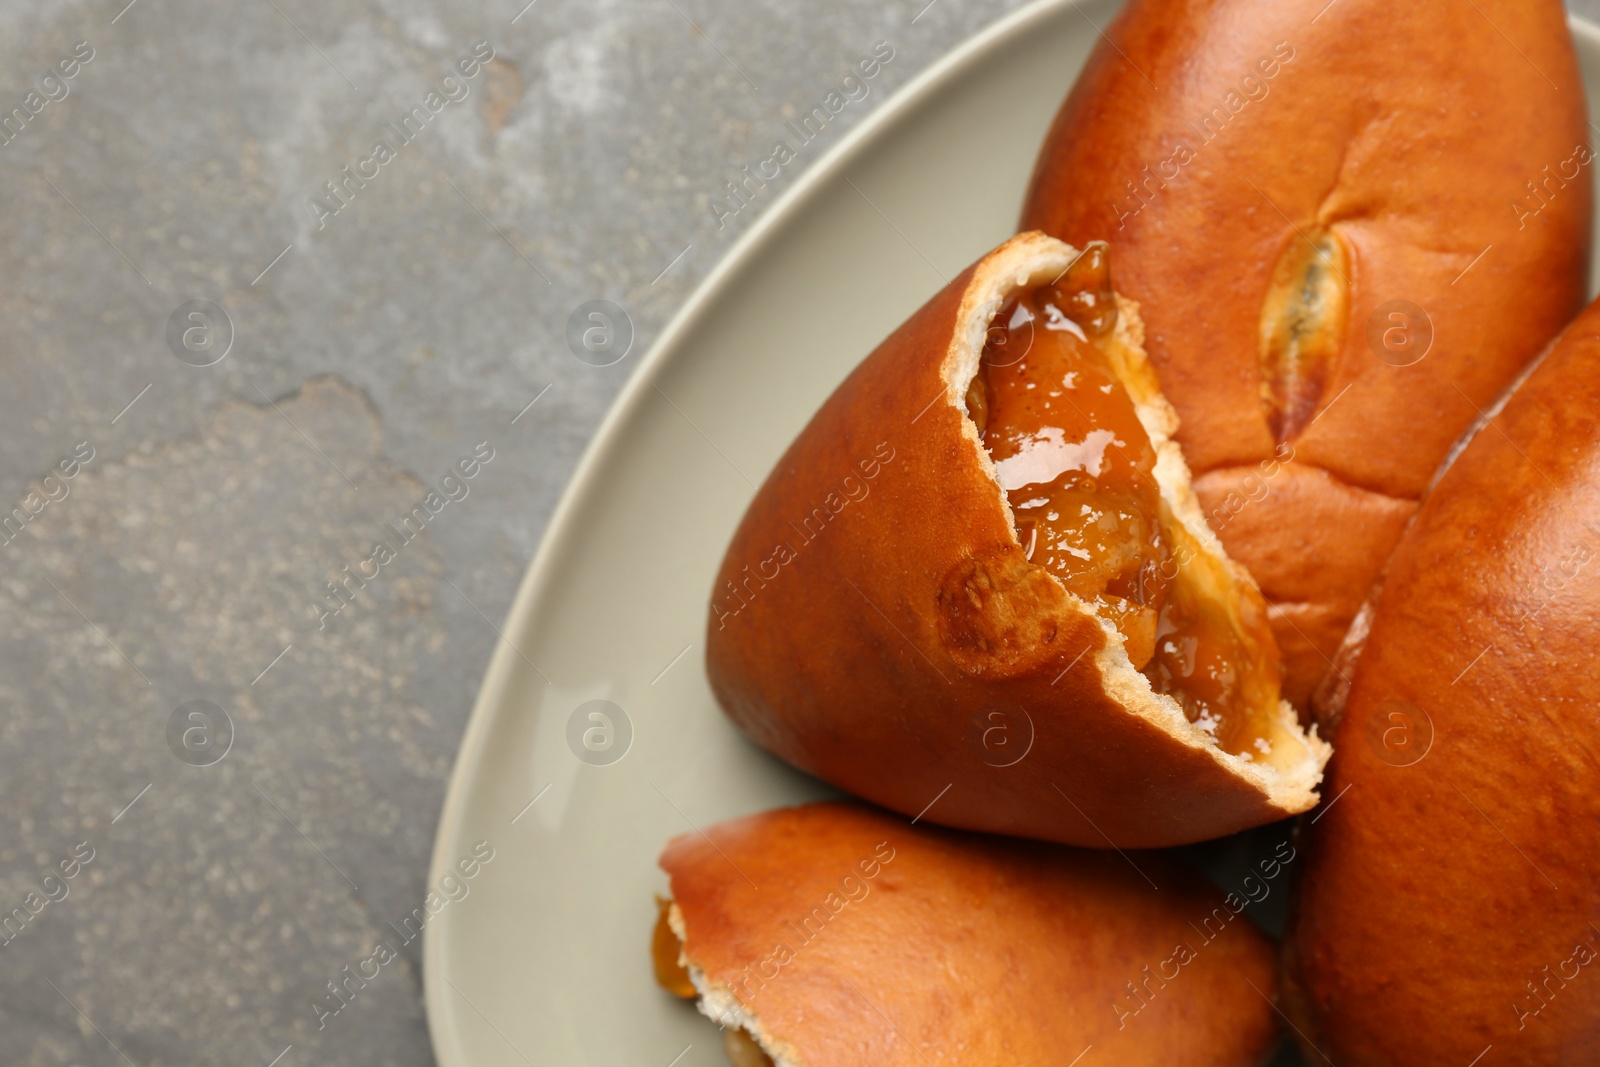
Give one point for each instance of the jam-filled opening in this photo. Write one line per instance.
(1078, 469)
(665, 954)
(665, 948)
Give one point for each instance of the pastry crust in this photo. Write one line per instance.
(875, 620)
(1448, 898)
(861, 941)
(1210, 140)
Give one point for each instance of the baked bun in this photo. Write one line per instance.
(1348, 225)
(835, 935)
(1028, 621)
(1451, 890)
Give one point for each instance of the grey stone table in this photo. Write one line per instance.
(239, 338)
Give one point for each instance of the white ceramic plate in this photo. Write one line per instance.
(544, 961)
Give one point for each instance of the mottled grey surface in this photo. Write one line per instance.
(384, 343)
(389, 340)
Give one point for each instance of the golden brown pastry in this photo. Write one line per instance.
(978, 588)
(1348, 225)
(836, 935)
(1451, 890)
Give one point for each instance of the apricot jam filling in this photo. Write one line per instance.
(742, 1050)
(664, 950)
(1078, 468)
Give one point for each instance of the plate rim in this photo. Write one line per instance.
(444, 1036)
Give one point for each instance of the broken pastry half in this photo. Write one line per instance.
(837, 935)
(978, 586)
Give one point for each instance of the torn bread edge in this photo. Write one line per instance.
(721, 1005)
(1030, 259)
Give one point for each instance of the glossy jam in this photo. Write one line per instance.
(1303, 321)
(1078, 468)
(1225, 679)
(742, 1050)
(664, 948)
